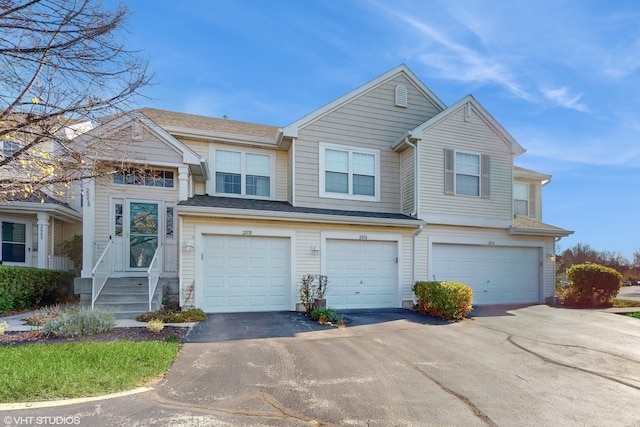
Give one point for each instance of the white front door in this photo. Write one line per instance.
(142, 221)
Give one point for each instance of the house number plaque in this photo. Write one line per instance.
(246, 232)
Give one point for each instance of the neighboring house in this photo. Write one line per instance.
(35, 224)
(376, 190)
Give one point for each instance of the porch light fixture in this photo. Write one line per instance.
(315, 249)
(551, 257)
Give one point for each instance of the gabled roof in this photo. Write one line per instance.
(292, 129)
(468, 101)
(532, 227)
(211, 128)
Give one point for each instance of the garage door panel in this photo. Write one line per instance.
(242, 273)
(497, 275)
(362, 274)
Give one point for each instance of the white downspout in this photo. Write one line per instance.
(415, 212)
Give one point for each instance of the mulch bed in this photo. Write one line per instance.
(117, 334)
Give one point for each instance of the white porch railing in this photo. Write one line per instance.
(58, 262)
(154, 273)
(101, 273)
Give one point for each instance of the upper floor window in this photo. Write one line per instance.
(9, 147)
(146, 177)
(349, 172)
(243, 173)
(467, 174)
(521, 199)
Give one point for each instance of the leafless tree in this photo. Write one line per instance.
(63, 65)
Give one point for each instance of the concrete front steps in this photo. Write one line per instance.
(125, 297)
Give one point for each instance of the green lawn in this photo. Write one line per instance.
(52, 371)
(635, 314)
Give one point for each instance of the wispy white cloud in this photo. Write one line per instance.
(453, 60)
(563, 98)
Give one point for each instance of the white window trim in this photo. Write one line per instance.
(211, 184)
(322, 146)
(28, 244)
(456, 173)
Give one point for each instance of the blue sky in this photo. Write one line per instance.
(563, 77)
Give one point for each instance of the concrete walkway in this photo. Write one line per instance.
(17, 323)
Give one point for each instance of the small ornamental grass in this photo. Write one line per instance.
(635, 315)
(46, 314)
(36, 372)
(155, 325)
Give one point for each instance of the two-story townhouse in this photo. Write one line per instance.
(384, 186)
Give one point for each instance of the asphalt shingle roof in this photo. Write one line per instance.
(279, 206)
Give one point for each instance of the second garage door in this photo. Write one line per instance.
(243, 273)
(362, 274)
(497, 274)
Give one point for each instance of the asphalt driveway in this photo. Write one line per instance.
(527, 366)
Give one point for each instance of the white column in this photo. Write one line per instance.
(88, 230)
(43, 239)
(183, 182)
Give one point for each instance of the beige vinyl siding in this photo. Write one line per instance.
(148, 148)
(306, 236)
(407, 180)
(370, 121)
(473, 136)
(480, 236)
(281, 174)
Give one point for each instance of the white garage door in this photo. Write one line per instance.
(497, 274)
(245, 274)
(362, 274)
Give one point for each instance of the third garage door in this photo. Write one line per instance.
(497, 274)
(362, 274)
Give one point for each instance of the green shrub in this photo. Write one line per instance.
(80, 321)
(174, 316)
(326, 316)
(26, 287)
(449, 300)
(591, 285)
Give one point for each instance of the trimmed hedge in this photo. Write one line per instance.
(26, 287)
(591, 285)
(449, 300)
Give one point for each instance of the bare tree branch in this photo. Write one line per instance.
(62, 62)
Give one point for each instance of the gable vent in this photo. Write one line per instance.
(401, 96)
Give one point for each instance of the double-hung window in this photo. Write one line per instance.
(349, 172)
(467, 174)
(243, 173)
(521, 199)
